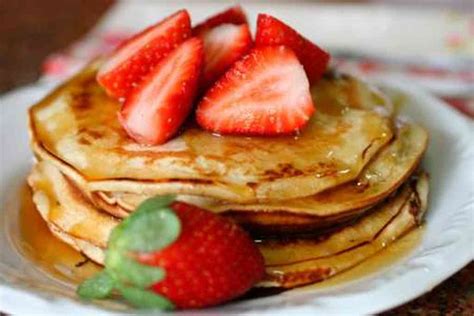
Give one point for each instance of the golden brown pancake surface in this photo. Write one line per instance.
(77, 126)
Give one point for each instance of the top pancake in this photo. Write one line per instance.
(77, 127)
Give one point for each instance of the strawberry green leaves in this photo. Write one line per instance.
(98, 287)
(145, 299)
(127, 271)
(152, 227)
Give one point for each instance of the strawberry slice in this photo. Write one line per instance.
(155, 110)
(271, 31)
(264, 93)
(234, 15)
(138, 56)
(223, 46)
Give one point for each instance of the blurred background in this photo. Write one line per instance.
(429, 43)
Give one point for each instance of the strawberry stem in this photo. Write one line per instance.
(152, 227)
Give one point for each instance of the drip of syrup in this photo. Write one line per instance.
(383, 259)
(48, 253)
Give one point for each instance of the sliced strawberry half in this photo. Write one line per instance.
(156, 109)
(271, 31)
(264, 93)
(234, 15)
(138, 56)
(223, 46)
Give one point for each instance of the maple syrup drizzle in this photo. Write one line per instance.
(48, 253)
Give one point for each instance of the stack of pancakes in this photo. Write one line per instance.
(317, 203)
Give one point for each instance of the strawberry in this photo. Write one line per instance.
(271, 31)
(223, 45)
(154, 111)
(170, 254)
(138, 56)
(234, 15)
(212, 261)
(264, 93)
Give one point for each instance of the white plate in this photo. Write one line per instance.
(446, 247)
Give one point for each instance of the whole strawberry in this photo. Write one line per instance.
(213, 260)
(176, 256)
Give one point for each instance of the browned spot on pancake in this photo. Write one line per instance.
(81, 102)
(283, 170)
(83, 141)
(321, 169)
(326, 173)
(324, 169)
(81, 130)
(94, 134)
(290, 279)
(252, 185)
(288, 169)
(88, 82)
(361, 186)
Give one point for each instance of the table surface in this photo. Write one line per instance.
(29, 32)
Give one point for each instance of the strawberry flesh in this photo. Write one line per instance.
(265, 93)
(212, 261)
(156, 109)
(223, 46)
(233, 15)
(138, 56)
(271, 31)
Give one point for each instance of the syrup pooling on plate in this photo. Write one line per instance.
(47, 252)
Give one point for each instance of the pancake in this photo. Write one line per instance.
(336, 92)
(76, 128)
(297, 262)
(289, 263)
(383, 175)
(62, 205)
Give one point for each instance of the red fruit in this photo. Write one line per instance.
(223, 46)
(212, 261)
(234, 15)
(138, 56)
(155, 110)
(264, 93)
(271, 31)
